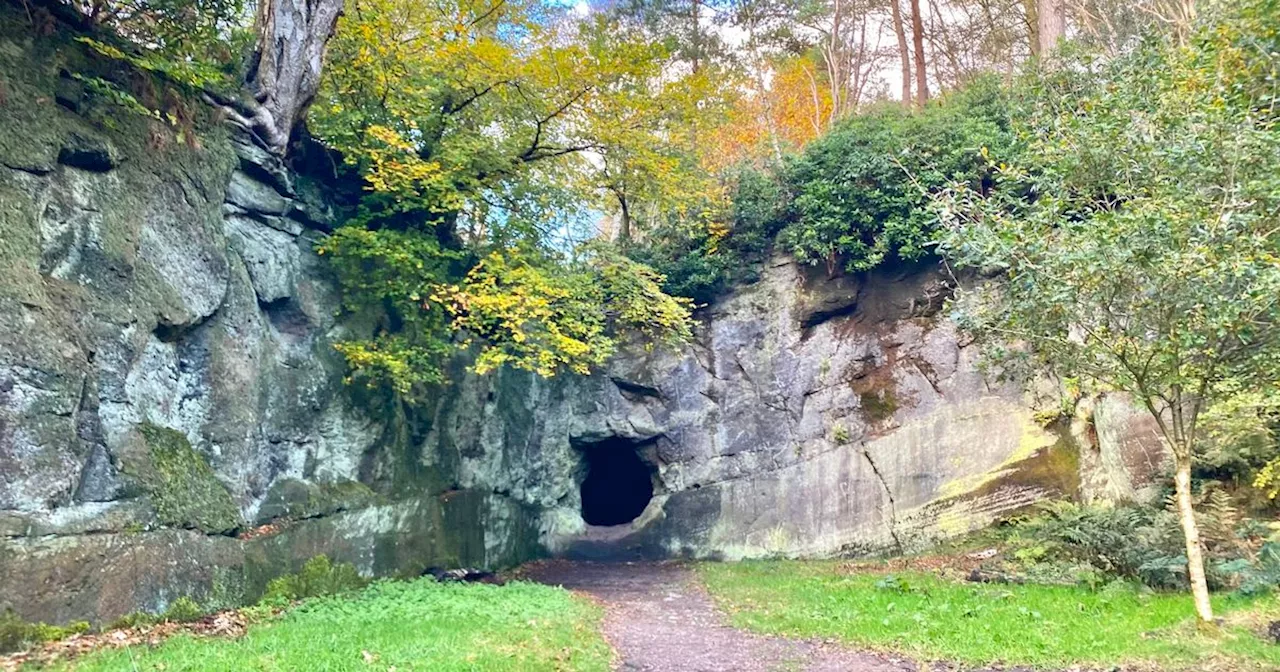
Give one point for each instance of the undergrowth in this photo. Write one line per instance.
(319, 577)
(16, 633)
(1093, 545)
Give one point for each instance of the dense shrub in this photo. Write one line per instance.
(1115, 541)
(1261, 574)
(184, 610)
(853, 199)
(859, 195)
(703, 263)
(16, 634)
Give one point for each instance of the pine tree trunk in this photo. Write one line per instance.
(285, 72)
(917, 36)
(904, 51)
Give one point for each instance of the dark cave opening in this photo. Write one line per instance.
(618, 485)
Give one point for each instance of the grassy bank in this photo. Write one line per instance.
(421, 625)
(927, 617)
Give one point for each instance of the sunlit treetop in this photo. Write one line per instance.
(509, 114)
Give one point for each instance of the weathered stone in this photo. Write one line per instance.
(1123, 456)
(296, 499)
(811, 418)
(69, 92)
(71, 226)
(166, 371)
(314, 205)
(89, 518)
(255, 196)
(99, 480)
(262, 165)
(101, 577)
(270, 256)
(183, 245)
(39, 463)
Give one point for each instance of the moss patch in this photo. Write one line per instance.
(182, 484)
(878, 406)
(1055, 468)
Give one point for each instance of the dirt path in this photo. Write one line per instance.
(659, 619)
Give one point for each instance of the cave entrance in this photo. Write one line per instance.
(618, 485)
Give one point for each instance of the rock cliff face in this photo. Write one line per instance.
(813, 417)
(173, 421)
(166, 374)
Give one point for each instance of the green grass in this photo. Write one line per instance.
(420, 625)
(926, 617)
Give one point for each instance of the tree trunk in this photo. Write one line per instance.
(1191, 531)
(816, 96)
(1051, 24)
(834, 55)
(917, 36)
(1184, 20)
(1033, 26)
(284, 74)
(624, 221)
(904, 51)
(697, 36)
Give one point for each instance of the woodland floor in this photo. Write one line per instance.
(659, 618)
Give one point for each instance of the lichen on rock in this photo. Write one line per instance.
(182, 485)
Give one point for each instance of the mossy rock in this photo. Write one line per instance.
(295, 499)
(182, 485)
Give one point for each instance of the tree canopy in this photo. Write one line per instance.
(487, 134)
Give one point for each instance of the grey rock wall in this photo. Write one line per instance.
(172, 415)
(813, 417)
